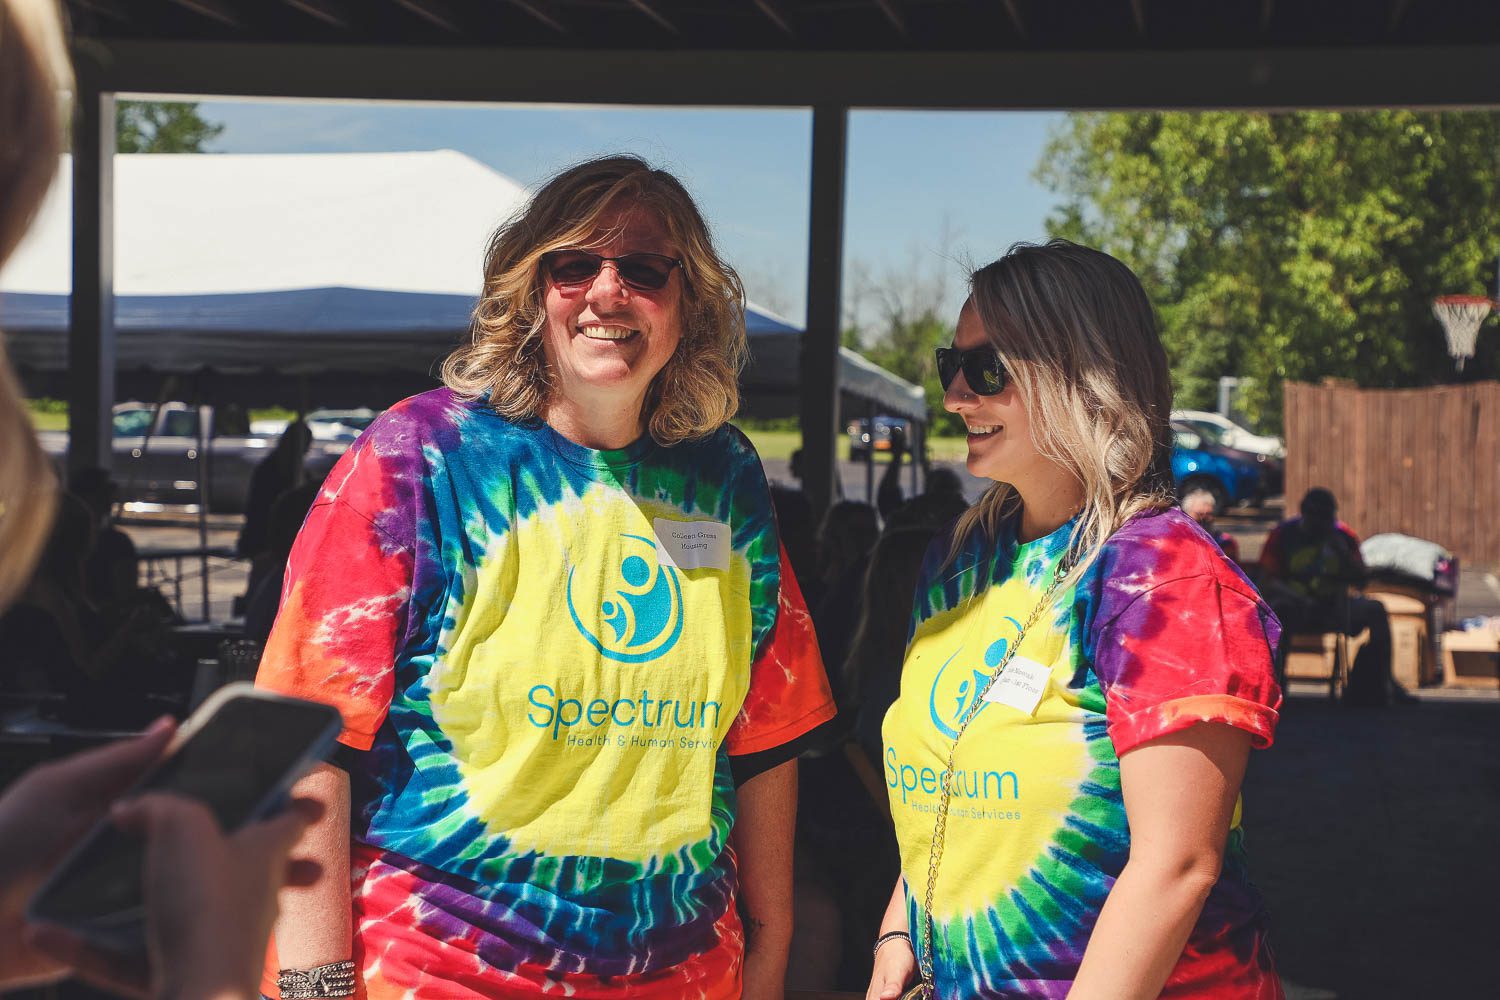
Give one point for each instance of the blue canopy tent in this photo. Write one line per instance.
(357, 346)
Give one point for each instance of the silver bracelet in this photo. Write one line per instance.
(333, 980)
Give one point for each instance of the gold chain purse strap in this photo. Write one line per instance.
(924, 990)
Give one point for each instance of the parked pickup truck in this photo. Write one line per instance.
(157, 460)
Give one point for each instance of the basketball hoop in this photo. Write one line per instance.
(1461, 316)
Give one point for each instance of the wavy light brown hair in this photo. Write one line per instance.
(696, 392)
(33, 73)
(1076, 332)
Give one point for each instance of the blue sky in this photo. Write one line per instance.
(926, 190)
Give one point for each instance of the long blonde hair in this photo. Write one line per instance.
(697, 391)
(33, 73)
(1076, 332)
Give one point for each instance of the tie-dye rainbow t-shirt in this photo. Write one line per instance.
(549, 654)
(1160, 633)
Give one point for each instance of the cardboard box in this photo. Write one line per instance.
(1413, 660)
(1410, 651)
(1471, 659)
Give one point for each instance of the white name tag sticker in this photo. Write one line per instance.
(692, 544)
(1020, 685)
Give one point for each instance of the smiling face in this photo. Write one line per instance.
(604, 340)
(999, 439)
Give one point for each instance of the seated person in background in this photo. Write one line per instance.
(51, 633)
(112, 567)
(1307, 566)
(111, 570)
(58, 641)
(845, 539)
(287, 515)
(283, 469)
(794, 518)
(843, 835)
(888, 495)
(943, 481)
(933, 510)
(871, 673)
(1200, 506)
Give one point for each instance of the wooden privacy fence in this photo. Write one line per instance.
(1423, 462)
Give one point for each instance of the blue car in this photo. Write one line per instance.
(1229, 478)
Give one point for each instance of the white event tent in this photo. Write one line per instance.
(312, 264)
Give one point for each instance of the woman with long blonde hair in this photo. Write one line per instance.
(1085, 677)
(551, 602)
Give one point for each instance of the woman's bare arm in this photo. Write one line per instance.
(763, 836)
(315, 926)
(1180, 791)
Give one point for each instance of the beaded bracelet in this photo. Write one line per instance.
(333, 980)
(891, 936)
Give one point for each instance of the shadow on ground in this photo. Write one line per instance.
(1375, 835)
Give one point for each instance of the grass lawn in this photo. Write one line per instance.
(47, 415)
(779, 445)
(775, 445)
(44, 420)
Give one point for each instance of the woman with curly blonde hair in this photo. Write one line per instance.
(551, 603)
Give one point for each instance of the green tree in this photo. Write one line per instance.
(905, 317)
(162, 127)
(1289, 246)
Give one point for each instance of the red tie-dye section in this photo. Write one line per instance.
(399, 955)
(789, 692)
(396, 952)
(1195, 648)
(343, 610)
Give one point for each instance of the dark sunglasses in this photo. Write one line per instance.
(648, 272)
(981, 367)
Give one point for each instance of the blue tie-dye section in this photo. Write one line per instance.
(466, 476)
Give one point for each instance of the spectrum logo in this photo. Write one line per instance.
(639, 618)
(949, 701)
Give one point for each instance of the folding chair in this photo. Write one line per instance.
(1316, 640)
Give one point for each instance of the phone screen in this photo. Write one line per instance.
(239, 758)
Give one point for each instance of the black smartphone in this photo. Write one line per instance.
(239, 754)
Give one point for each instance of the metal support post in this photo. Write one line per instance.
(820, 343)
(91, 324)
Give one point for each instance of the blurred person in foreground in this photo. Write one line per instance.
(574, 666)
(1309, 567)
(1085, 676)
(210, 898)
(1200, 505)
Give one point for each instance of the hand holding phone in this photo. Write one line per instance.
(43, 814)
(210, 901)
(237, 757)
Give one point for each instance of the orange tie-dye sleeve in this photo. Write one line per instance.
(789, 693)
(343, 613)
